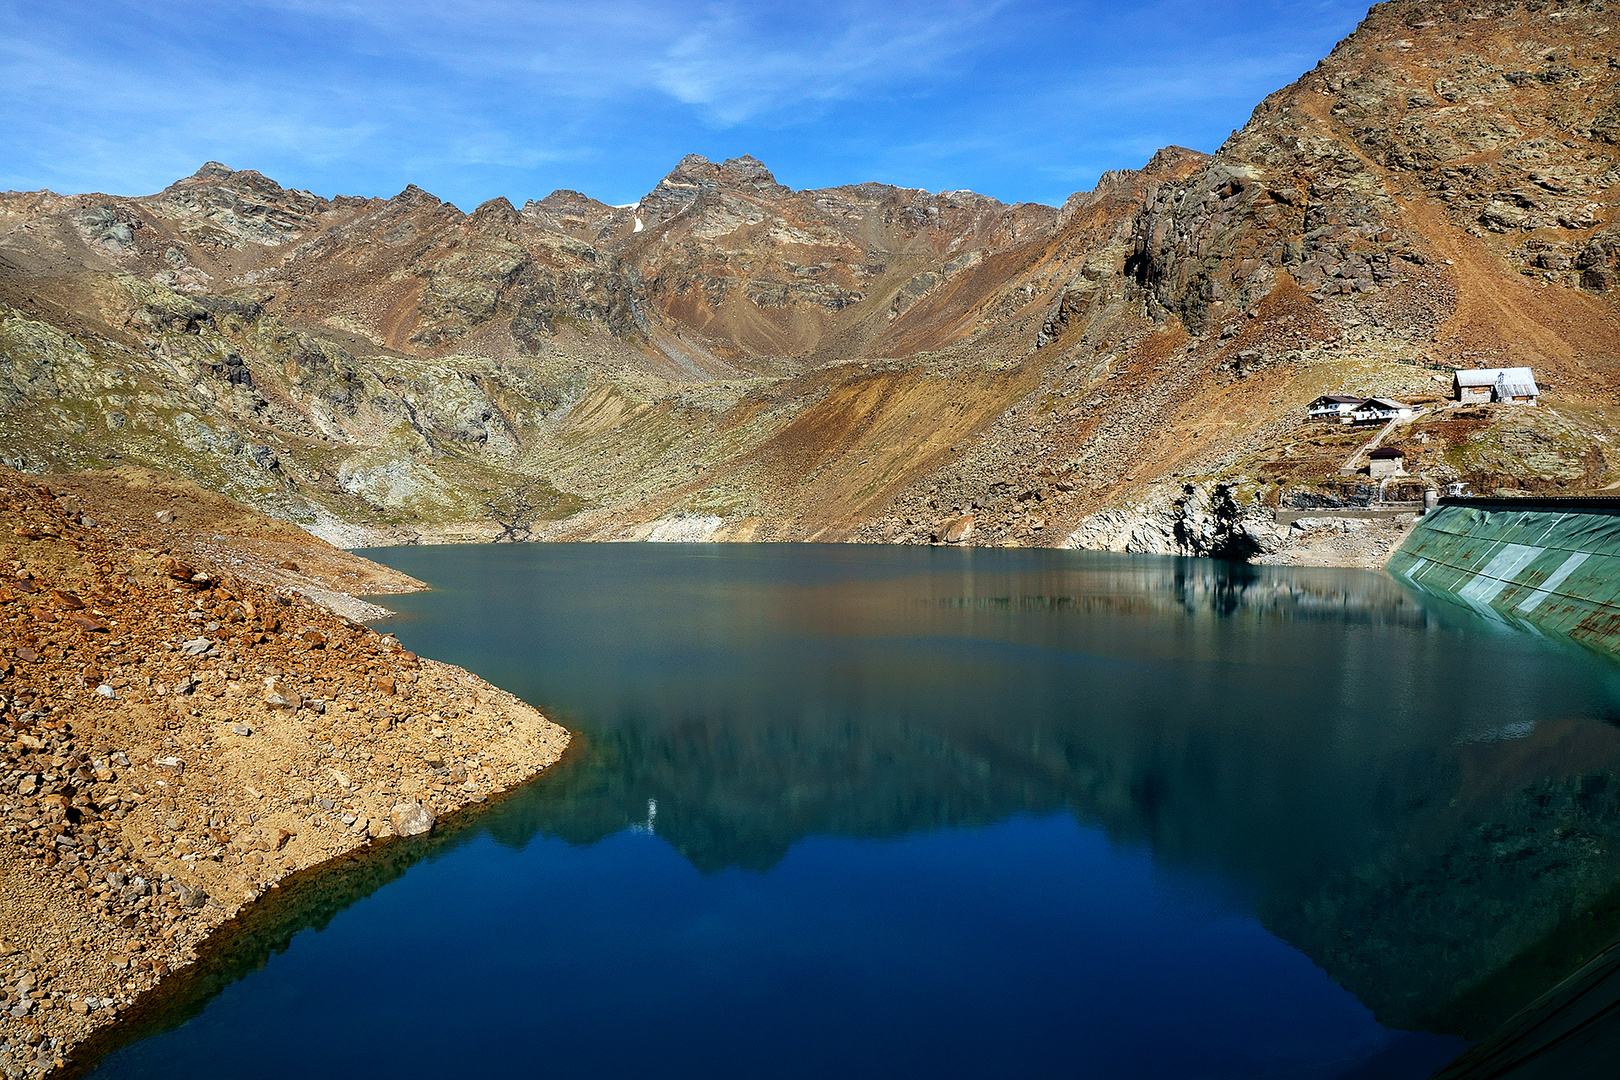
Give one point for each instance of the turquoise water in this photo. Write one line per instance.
(897, 812)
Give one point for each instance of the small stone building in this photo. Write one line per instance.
(1386, 461)
(1505, 386)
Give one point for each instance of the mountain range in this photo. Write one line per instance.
(732, 359)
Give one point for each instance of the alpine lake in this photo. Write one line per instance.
(872, 811)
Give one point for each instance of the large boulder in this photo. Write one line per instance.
(957, 530)
(411, 819)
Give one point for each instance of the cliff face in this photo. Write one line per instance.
(729, 358)
(1493, 120)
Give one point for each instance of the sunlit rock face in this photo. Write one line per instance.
(865, 362)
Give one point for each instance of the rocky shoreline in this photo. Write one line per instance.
(176, 738)
(1215, 520)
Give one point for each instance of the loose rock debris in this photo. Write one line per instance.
(186, 742)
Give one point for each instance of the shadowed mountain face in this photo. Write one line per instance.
(729, 358)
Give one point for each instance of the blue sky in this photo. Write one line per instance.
(1019, 99)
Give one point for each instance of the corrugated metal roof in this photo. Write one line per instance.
(1517, 376)
(1548, 565)
(1512, 385)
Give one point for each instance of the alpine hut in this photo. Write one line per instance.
(1506, 386)
(1378, 410)
(1340, 407)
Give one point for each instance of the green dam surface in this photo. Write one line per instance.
(1551, 566)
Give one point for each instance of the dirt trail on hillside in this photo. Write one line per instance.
(1505, 320)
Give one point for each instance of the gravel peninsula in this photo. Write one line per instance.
(185, 722)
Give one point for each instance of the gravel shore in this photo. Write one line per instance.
(182, 727)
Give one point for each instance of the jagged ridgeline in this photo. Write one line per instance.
(733, 359)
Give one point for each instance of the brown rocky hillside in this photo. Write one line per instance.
(732, 359)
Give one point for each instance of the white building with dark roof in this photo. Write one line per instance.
(1338, 407)
(1376, 409)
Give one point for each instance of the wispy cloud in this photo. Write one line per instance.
(737, 66)
(734, 60)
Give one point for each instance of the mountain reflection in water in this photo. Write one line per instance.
(1425, 805)
(1412, 798)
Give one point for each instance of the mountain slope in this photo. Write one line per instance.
(729, 358)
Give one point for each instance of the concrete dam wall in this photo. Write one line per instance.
(1547, 565)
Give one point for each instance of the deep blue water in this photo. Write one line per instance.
(922, 812)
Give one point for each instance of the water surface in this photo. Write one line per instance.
(886, 811)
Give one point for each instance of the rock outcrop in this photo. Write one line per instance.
(1185, 519)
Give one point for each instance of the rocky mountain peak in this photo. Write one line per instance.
(1170, 164)
(747, 171)
(679, 189)
(498, 210)
(566, 201)
(696, 178)
(575, 214)
(244, 205)
(414, 196)
(1174, 161)
(1443, 101)
(218, 177)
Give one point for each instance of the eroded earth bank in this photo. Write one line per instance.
(182, 727)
